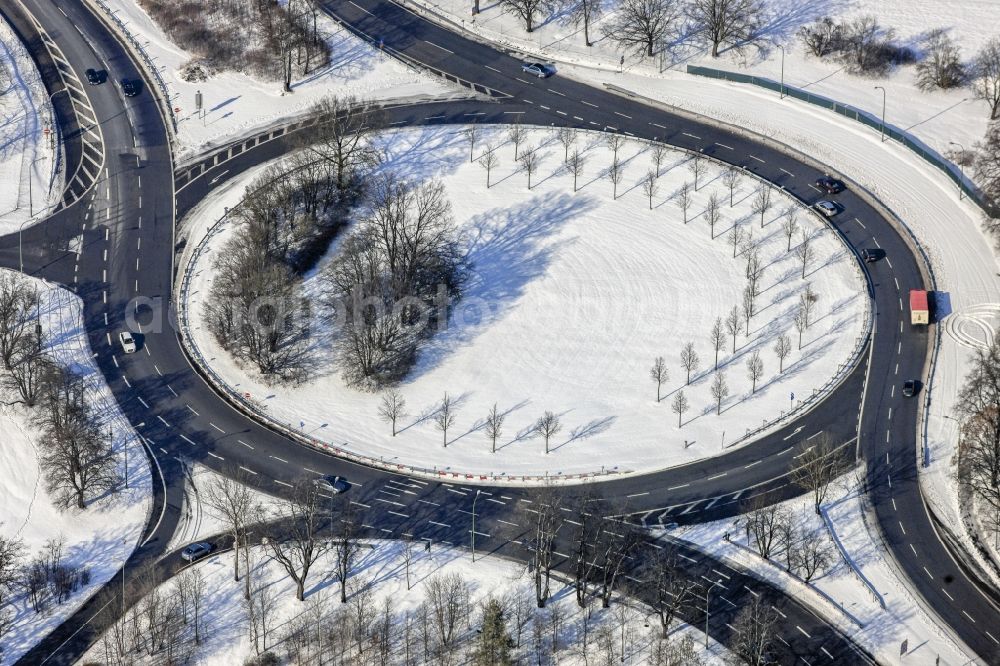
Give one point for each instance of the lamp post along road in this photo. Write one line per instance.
(474, 524)
(781, 95)
(707, 593)
(883, 110)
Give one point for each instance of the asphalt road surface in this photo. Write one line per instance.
(113, 246)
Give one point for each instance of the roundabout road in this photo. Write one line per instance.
(115, 248)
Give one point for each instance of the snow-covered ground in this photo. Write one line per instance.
(936, 118)
(382, 568)
(96, 538)
(236, 103)
(26, 158)
(838, 595)
(572, 298)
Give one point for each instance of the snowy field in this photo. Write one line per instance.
(381, 568)
(838, 594)
(236, 104)
(26, 161)
(97, 538)
(572, 298)
(937, 118)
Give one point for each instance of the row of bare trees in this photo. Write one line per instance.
(646, 26)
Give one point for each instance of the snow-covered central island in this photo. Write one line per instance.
(572, 297)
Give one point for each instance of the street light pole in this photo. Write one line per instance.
(883, 110)
(474, 525)
(708, 592)
(960, 168)
(782, 94)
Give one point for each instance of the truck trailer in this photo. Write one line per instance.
(919, 311)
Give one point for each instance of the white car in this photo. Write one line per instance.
(128, 342)
(827, 208)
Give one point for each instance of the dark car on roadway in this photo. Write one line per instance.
(196, 551)
(541, 70)
(910, 388)
(130, 87)
(830, 185)
(333, 484)
(96, 77)
(869, 255)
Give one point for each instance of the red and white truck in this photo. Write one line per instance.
(919, 311)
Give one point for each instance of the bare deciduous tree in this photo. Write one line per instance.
(689, 360)
(575, 165)
(735, 237)
(718, 339)
(807, 300)
(712, 213)
(733, 320)
(18, 314)
(823, 37)
(489, 161)
(782, 348)
(731, 179)
(345, 525)
(659, 374)
(494, 426)
(789, 225)
(471, 134)
(584, 14)
(548, 426)
(987, 168)
(392, 407)
(672, 591)
(941, 66)
(650, 187)
(817, 464)
(679, 406)
(516, 134)
(75, 453)
(642, 25)
(232, 496)
(566, 137)
(986, 76)
(809, 555)
(529, 160)
(726, 22)
(755, 369)
(444, 418)
(763, 525)
(542, 514)
(614, 142)
(801, 323)
(753, 633)
(615, 173)
(342, 137)
(720, 390)
(804, 252)
(294, 540)
(659, 155)
(979, 407)
(762, 202)
(684, 200)
(526, 10)
(696, 165)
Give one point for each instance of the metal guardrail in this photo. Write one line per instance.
(863, 117)
(144, 57)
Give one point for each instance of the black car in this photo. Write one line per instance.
(130, 87)
(870, 255)
(830, 185)
(910, 388)
(96, 77)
